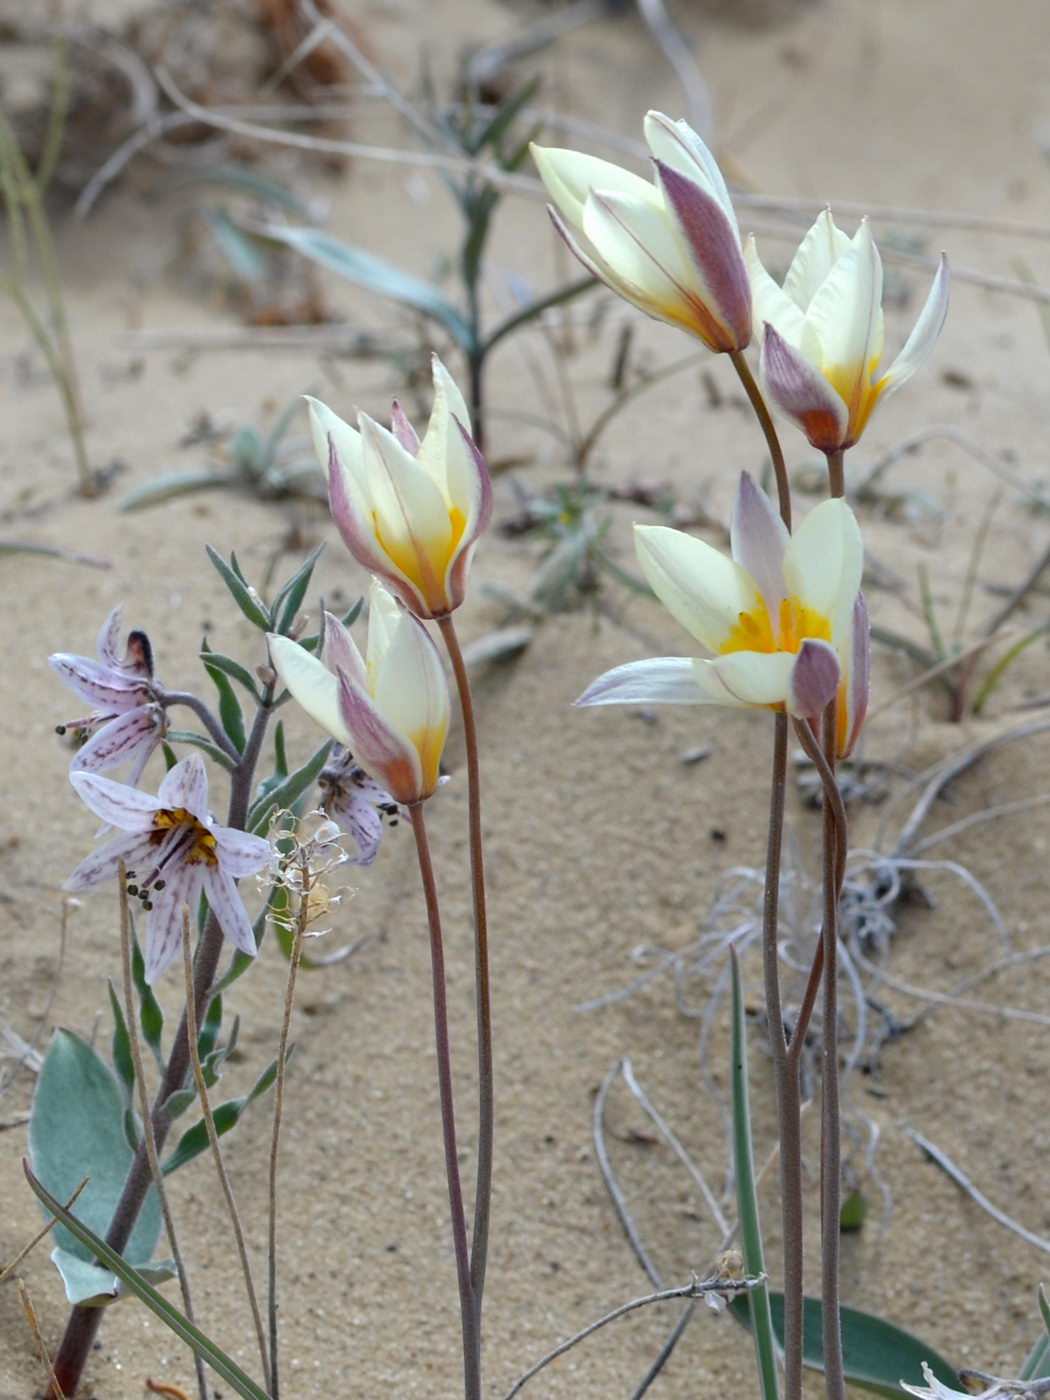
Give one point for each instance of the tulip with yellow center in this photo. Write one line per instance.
(390, 708)
(823, 333)
(784, 617)
(409, 510)
(671, 248)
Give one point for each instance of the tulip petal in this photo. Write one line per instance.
(846, 313)
(745, 678)
(712, 243)
(329, 431)
(758, 539)
(824, 562)
(801, 392)
(817, 254)
(412, 693)
(340, 651)
(240, 853)
(167, 919)
(769, 302)
(403, 429)
(387, 753)
(858, 679)
(662, 680)
(701, 588)
(570, 176)
(109, 638)
(924, 333)
(814, 679)
(103, 862)
(98, 683)
(633, 238)
(312, 685)
(676, 144)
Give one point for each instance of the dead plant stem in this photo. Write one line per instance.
(216, 1149)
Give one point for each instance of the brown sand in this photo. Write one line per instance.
(599, 839)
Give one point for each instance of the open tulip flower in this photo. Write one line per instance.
(171, 850)
(671, 248)
(823, 333)
(391, 709)
(784, 617)
(410, 511)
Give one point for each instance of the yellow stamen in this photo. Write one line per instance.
(202, 851)
(795, 623)
(424, 566)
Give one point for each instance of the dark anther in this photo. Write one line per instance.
(133, 889)
(60, 728)
(147, 905)
(159, 884)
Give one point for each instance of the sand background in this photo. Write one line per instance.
(599, 837)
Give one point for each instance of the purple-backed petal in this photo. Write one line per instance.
(661, 680)
(240, 853)
(186, 785)
(801, 391)
(132, 735)
(116, 803)
(102, 863)
(104, 687)
(228, 907)
(858, 680)
(714, 246)
(359, 536)
(403, 429)
(356, 816)
(758, 540)
(388, 755)
(341, 651)
(814, 679)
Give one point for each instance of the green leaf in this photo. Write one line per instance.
(230, 712)
(290, 599)
(243, 253)
(76, 1129)
(170, 487)
(151, 1017)
(231, 668)
(234, 581)
(209, 1031)
(94, 1247)
(244, 180)
(194, 1140)
(198, 741)
(1037, 1363)
(492, 133)
(878, 1355)
(756, 1302)
(376, 275)
(285, 794)
(123, 1061)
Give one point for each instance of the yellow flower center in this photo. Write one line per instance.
(857, 390)
(424, 563)
(795, 623)
(198, 846)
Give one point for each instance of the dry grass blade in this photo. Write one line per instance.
(8, 1270)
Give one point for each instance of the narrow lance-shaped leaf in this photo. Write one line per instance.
(123, 1061)
(238, 588)
(285, 794)
(290, 598)
(223, 1366)
(151, 1017)
(231, 668)
(230, 712)
(198, 741)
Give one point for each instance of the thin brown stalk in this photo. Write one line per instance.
(26, 1250)
(27, 1307)
(278, 1111)
(467, 1307)
(149, 1137)
(482, 981)
(213, 1139)
(769, 432)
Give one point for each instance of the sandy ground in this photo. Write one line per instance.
(600, 840)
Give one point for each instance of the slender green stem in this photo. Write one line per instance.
(769, 432)
(467, 1306)
(482, 980)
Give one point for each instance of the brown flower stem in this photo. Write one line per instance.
(83, 1323)
(765, 420)
(786, 1076)
(482, 986)
(467, 1304)
(836, 473)
(835, 844)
